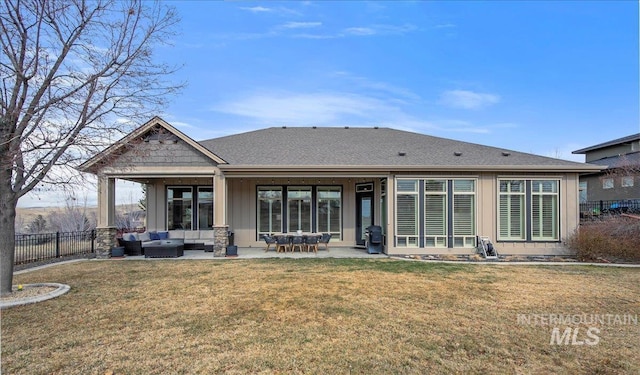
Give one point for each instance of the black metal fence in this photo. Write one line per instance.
(38, 247)
(595, 209)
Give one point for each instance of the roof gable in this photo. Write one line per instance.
(154, 131)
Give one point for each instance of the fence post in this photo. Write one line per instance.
(93, 241)
(601, 206)
(57, 244)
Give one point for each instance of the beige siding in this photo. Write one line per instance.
(157, 211)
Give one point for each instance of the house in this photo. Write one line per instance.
(430, 195)
(619, 180)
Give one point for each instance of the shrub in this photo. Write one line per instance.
(616, 239)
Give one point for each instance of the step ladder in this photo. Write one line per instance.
(486, 249)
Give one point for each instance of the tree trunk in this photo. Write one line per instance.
(7, 234)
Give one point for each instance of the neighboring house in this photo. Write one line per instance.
(430, 195)
(620, 178)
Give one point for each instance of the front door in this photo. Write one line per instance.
(364, 210)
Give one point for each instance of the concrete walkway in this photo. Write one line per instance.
(259, 253)
(354, 252)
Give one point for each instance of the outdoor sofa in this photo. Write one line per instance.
(135, 243)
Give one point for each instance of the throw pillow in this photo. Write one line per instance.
(131, 237)
(154, 236)
(163, 235)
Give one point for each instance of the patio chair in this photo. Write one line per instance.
(297, 242)
(131, 247)
(326, 237)
(269, 240)
(282, 242)
(311, 242)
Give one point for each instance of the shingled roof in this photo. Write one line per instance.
(615, 142)
(280, 147)
(617, 161)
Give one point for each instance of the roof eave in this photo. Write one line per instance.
(407, 168)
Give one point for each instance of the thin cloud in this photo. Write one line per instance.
(363, 31)
(257, 9)
(315, 36)
(303, 108)
(282, 11)
(390, 92)
(275, 108)
(301, 25)
(182, 125)
(379, 30)
(468, 99)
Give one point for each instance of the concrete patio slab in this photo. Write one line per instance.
(259, 253)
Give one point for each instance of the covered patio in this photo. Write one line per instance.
(259, 253)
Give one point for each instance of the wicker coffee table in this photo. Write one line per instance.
(167, 249)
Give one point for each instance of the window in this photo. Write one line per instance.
(528, 210)
(435, 207)
(329, 210)
(205, 208)
(383, 205)
(464, 213)
(607, 183)
(583, 192)
(269, 210)
(305, 208)
(443, 215)
(179, 207)
(183, 212)
(511, 210)
(544, 210)
(299, 209)
(407, 213)
(627, 181)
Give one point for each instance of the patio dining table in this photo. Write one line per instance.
(295, 237)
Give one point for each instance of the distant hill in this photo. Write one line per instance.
(26, 215)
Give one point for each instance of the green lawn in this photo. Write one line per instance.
(318, 316)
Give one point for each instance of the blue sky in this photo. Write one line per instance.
(546, 77)
(542, 77)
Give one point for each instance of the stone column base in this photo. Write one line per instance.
(105, 240)
(220, 240)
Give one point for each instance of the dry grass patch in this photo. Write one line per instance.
(316, 316)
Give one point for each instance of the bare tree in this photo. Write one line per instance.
(38, 225)
(625, 166)
(131, 216)
(130, 220)
(142, 203)
(76, 74)
(74, 217)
